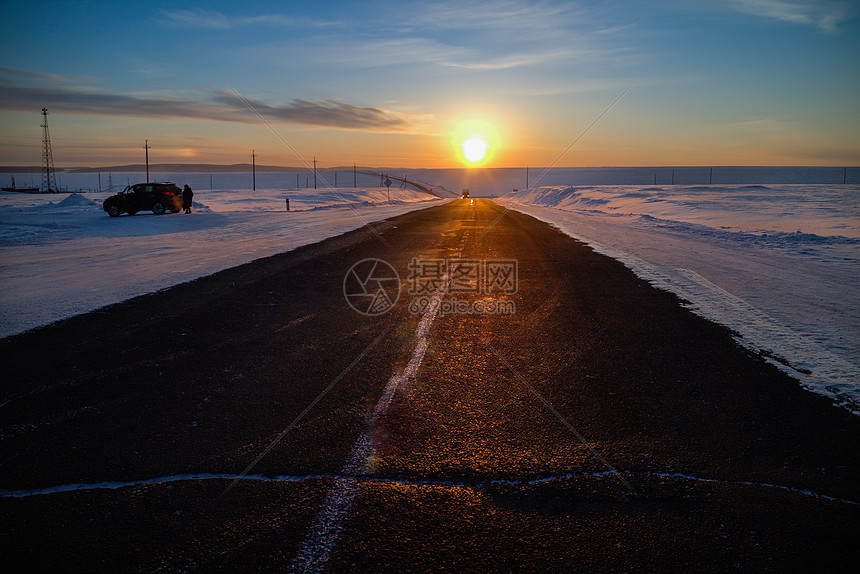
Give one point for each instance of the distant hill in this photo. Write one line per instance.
(182, 168)
(20, 169)
(170, 168)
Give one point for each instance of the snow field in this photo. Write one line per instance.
(62, 255)
(727, 252)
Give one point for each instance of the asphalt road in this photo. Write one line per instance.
(255, 421)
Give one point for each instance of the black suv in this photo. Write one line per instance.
(159, 197)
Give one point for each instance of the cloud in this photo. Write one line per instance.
(496, 15)
(197, 19)
(512, 60)
(394, 51)
(397, 51)
(823, 14)
(391, 51)
(329, 113)
(15, 75)
(495, 35)
(212, 20)
(484, 35)
(223, 107)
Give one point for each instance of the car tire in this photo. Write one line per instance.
(114, 211)
(158, 208)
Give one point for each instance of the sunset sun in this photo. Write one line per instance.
(475, 142)
(475, 149)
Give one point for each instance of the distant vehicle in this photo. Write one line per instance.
(159, 197)
(466, 194)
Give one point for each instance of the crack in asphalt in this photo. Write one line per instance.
(359, 477)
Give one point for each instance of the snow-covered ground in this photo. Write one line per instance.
(61, 255)
(778, 264)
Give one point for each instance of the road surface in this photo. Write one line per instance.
(254, 421)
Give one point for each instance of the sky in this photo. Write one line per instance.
(404, 84)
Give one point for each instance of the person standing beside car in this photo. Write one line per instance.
(187, 194)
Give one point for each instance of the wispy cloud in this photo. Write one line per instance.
(219, 106)
(824, 14)
(390, 51)
(395, 51)
(514, 60)
(15, 75)
(329, 113)
(498, 35)
(213, 20)
(197, 19)
(465, 34)
(505, 15)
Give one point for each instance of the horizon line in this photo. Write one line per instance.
(164, 166)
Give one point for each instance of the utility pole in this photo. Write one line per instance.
(354, 180)
(527, 177)
(253, 171)
(315, 173)
(146, 147)
(49, 180)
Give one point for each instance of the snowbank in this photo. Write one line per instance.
(776, 264)
(66, 258)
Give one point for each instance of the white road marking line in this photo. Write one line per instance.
(319, 542)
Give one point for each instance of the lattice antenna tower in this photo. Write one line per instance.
(49, 180)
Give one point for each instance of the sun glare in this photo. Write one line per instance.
(474, 149)
(475, 142)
